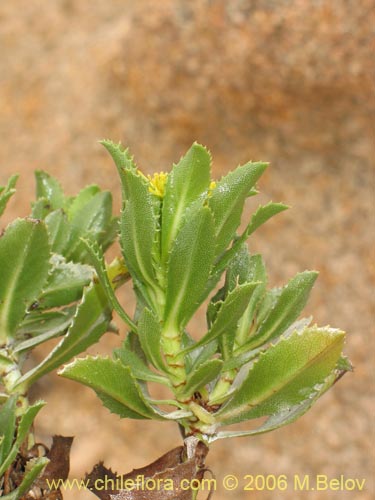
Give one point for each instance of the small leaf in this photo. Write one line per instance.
(229, 314)
(114, 384)
(24, 252)
(137, 366)
(89, 324)
(77, 203)
(228, 198)
(42, 327)
(287, 308)
(89, 221)
(256, 273)
(187, 181)
(7, 426)
(49, 188)
(28, 479)
(298, 363)
(189, 267)
(201, 375)
(25, 422)
(149, 332)
(58, 230)
(6, 192)
(97, 260)
(65, 283)
(262, 215)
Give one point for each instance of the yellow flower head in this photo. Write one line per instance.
(211, 188)
(157, 183)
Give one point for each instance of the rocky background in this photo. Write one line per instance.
(287, 81)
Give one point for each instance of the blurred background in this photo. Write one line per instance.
(288, 81)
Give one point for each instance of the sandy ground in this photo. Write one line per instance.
(281, 81)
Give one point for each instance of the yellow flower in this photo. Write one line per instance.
(211, 188)
(157, 183)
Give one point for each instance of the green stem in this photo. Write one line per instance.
(172, 347)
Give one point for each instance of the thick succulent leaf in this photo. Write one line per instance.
(287, 308)
(299, 362)
(90, 322)
(137, 365)
(30, 476)
(65, 283)
(24, 253)
(149, 333)
(286, 416)
(25, 422)
(7, 426)
(89, 221)
(58, 230)
(228, 198)
(97, 260)
(6, 192)
(114, 384)
(189, 267)
(187, 181)
(229, 314)
(39, 327)
(138, 227)
(49, 188)
(201, 375)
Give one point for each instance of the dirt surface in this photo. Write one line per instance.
(284, 81)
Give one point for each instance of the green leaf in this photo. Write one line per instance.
(6, 192)
(65, 283)
(40, 209)
(89, 221)
(90, 322)
(228, 198)
(187, 181)
(201, 375)
(138, 227)
(189, 267)
(120, 156)
(228, 315)
(287, 308)
(77, 203)
(199, 355)
(149, 333)
(97, 260)
(25, 422)
(137, 366)
(114, 384)
(262, 215)
(24, 254)
(286, 416)
(7, 426)
(298, 362)
(49, 188)
(256, 273)
(42, 327)
(30, 476)
(58, 230)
